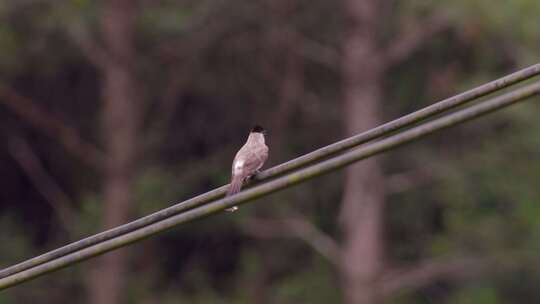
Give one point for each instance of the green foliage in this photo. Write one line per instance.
(316, 284)
(492, 194)
(475, 295)
(89, 215)
(155, 190)
(9, 45)
(483, 198)
(165, 19)
(16, 242)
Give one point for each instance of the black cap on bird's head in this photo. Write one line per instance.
(258, 129)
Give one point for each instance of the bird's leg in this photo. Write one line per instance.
(252, 176)
(232, 209)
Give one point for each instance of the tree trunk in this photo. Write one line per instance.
(120, 125)
(363, 202)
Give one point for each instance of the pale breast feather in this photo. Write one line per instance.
(238, 166)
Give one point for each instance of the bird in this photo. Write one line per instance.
(248, 160)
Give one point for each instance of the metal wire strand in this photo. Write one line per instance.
(277, 184)
(299, 162)
(322, 153)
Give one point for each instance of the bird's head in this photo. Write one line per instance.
(258, 129)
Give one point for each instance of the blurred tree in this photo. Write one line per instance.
(365, 63)
(180, 82)
(120, 130)
(363, 198)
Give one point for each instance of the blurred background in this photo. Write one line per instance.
(110, 110)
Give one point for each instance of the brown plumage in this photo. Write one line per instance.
(248, 160)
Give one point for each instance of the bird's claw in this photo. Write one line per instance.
(232, 209)
(254, 175)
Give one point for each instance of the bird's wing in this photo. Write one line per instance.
(256, 159)
(263, 155)
(251, 160)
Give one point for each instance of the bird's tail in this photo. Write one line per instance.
(235, 187)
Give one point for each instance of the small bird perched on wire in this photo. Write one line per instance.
(248, 160)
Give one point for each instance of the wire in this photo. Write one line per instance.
(277, 184)
(299, 162)
(286, 167)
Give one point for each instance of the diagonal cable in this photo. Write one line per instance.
(327, 166)
(322, 153)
